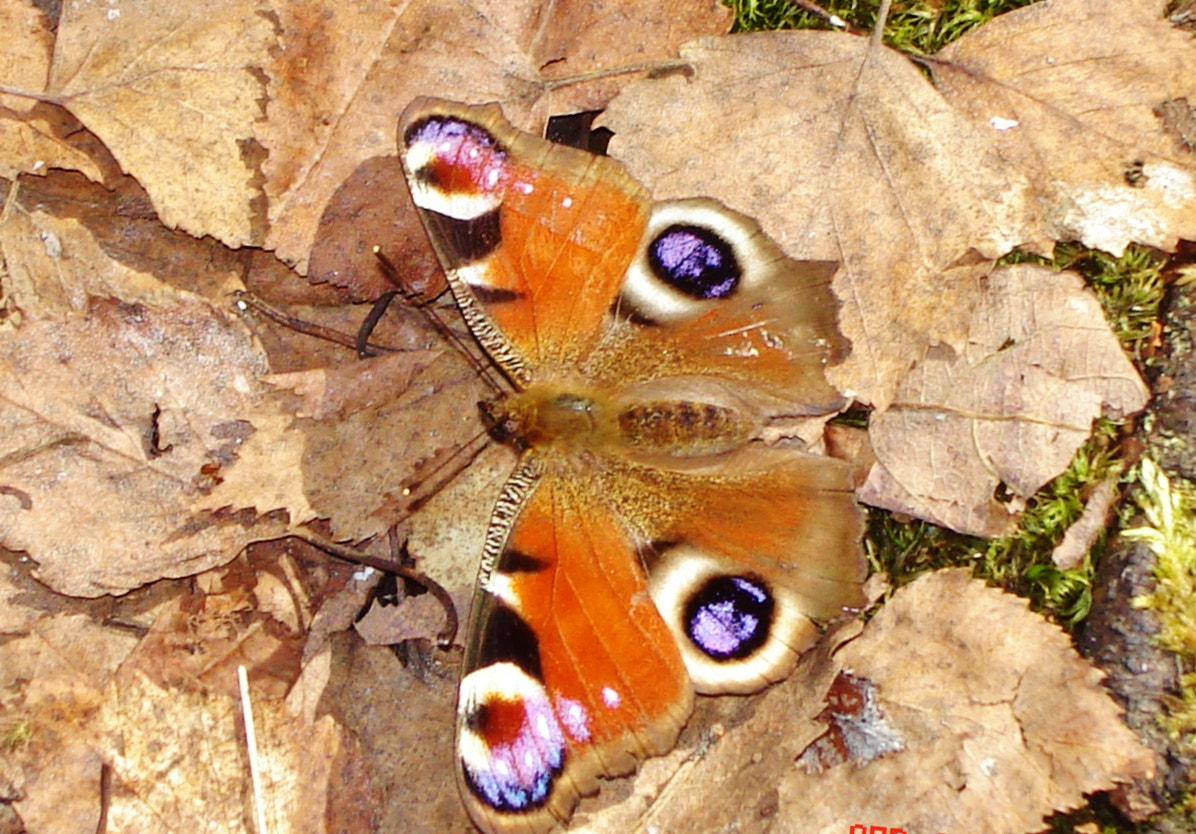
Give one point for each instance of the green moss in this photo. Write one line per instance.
(1170, 532)
(1020, 563)
(15, 734)
(918, 27)
(1130, 287)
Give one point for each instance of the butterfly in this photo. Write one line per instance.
(648, 544)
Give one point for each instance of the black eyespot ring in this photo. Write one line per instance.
(730, 617)
(695, 261)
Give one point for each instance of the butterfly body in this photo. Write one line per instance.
(649, 543)
(582, 419)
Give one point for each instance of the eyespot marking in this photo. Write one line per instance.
(454, 167)
(511, 746)
(729, 617)
(737, 631)
(695, 261)
(696, 254)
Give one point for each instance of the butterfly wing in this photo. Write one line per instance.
(581, 663)
(710, 294)
(746, 553)
(570, 672)
(535, 237)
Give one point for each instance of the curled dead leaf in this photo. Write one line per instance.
(1010, 409)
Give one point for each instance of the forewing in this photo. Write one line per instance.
(570, 672)
(535, 237)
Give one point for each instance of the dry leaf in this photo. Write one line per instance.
(34, 136)
(344, 74)
(119, 225)
(1003, 723)
(173, 92)
(56, 660)
(179, 763)
(991, 721)
(138, 442)
(406, 729)
(373, 430)
(448, 533)
(1011, 408)
(420, 617)
(854, 157)
(88, 693)
(1073, 91)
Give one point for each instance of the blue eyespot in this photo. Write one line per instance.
(449, 134)
(694, 260)
(730, 617)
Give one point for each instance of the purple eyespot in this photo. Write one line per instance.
(511, 744)
(694, 260)
(464, 155)
(449, 132)
(730, 617)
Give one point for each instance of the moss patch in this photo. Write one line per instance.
(1170, 532)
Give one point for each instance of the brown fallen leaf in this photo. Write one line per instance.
(256, 611)
(991, 722)
(173, 92)
(448, 533)
(1072, 92)
(56, 660)
(34, 137)
(1011, 408)
(1002, 722)
(97, 727)
(343, 74)
(138, 441)
(120, 219)
(843, 151)
(405, 725)
(420, 617)
(179, 762)
(381, 434)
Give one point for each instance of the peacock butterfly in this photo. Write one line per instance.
(649, 543)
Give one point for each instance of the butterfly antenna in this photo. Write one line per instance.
(421, 488)
(424, 304)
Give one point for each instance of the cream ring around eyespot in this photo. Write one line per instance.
(680, 574)
(461, 205)
(646, 294)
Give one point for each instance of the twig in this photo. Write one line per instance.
(448, 632)
(251, 743)
(247, 300)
